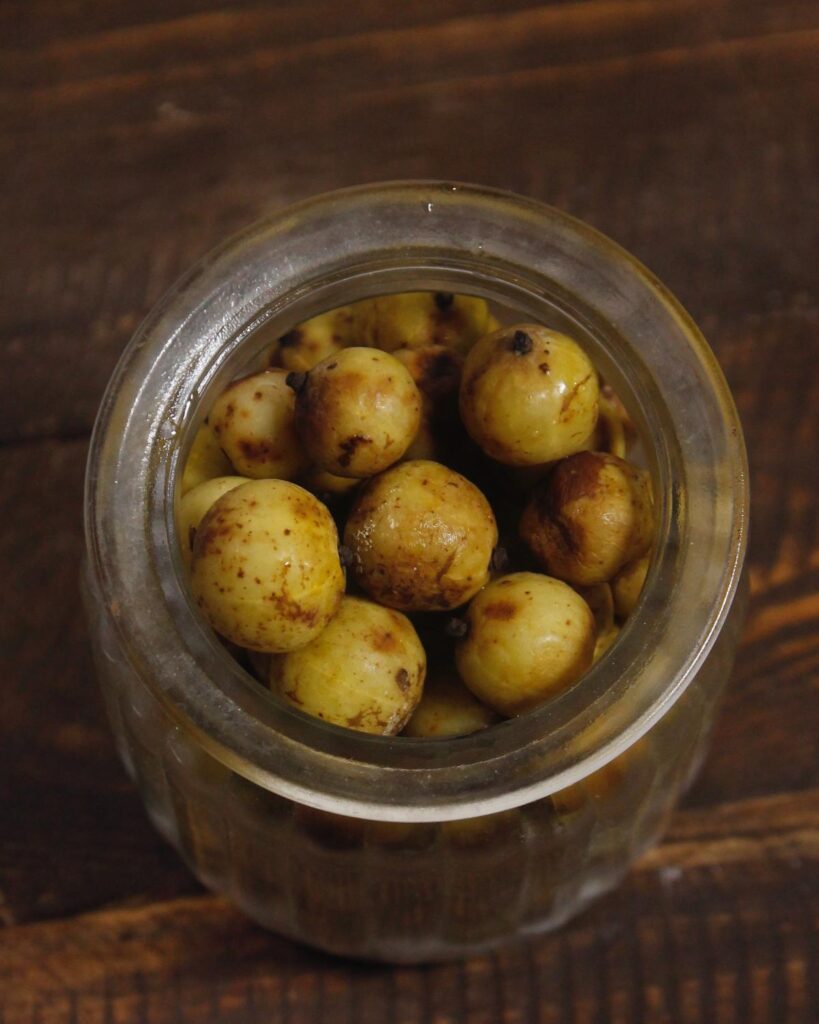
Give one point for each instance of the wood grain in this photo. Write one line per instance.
(73, 833)
(682, 941)
(632, 115)
(134, 137)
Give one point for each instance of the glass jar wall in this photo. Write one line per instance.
(387, 847)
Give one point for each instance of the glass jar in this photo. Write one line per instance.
(384, 847)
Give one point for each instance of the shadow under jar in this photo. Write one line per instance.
(388, 847)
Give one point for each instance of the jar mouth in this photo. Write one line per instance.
(407, 236)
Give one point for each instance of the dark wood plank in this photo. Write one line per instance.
(133, 137)
(690, 931)
(73, 833)
(132, 143)
(45, 22)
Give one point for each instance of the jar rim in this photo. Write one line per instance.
(344, 245)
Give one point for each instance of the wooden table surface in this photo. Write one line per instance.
(133, 137)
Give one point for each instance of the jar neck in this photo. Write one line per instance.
(406, 237)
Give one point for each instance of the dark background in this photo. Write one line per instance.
(136, 135)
